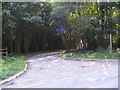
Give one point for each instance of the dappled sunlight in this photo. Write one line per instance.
(92, 63)
(70, 67)
(40, 58)
(83, 62)
(102, 78)
(109, 65)
(43, 62)
(92, 79)
(30, 60)
(71, 73)
(91, 87)
(36, 65)
(48, 66)
(63, 66)
(105, 72)
(49, 57)
(103, 66)
(87, 63)
(54, 61)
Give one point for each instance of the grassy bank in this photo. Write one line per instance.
(91, 54)
(11, 66)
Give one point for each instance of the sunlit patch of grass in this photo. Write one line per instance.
(11, 66)
(91, 54)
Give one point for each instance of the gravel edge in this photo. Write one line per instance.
(15, 76)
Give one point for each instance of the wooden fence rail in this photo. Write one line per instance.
(4, 52)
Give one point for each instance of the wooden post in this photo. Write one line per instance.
(6, 51)
(110, 44)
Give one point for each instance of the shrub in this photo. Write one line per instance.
(9, 59)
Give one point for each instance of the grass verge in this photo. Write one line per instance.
(90, 54)
(11, 66)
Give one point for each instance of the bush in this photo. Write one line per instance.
(9, 59)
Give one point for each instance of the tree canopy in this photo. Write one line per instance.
(41, 26)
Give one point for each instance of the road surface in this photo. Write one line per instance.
(52, 71)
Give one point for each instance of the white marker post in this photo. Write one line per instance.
(110, 44)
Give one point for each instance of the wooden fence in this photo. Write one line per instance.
(3, 52)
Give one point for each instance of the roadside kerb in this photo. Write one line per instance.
(14, 76)
(81, 59)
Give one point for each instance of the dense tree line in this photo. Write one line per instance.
(31, 27)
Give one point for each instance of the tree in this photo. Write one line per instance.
(32, 27)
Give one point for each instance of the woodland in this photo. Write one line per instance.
(45, 26)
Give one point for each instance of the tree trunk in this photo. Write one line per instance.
(17, 44)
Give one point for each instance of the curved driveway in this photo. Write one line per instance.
(52, 71)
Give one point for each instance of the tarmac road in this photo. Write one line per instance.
(52, 71)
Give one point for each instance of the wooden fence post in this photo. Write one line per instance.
(6, 51)
(3, 51)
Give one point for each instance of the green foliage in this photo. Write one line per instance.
(44, 26)
(118, 50)
(11, 66)
(27, 27)
(9, 59)
(91, 54)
